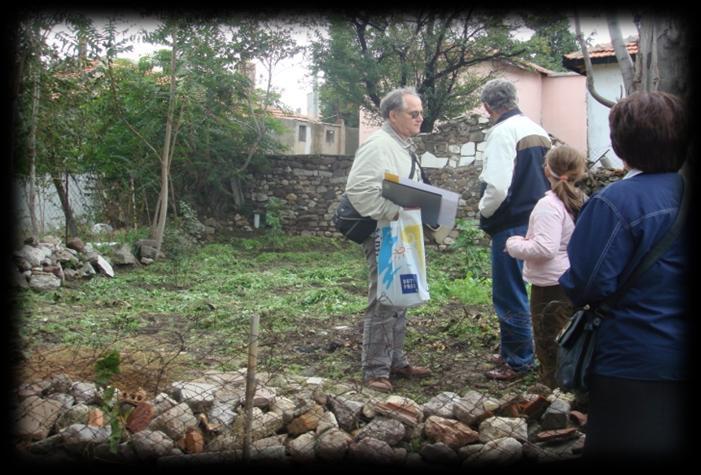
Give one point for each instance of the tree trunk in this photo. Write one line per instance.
(67, 211)
(165, 156)
(587, 63)
(663, 58)
(33, 154)
(237, 192)
(647, 70)
(172, 196)
(625, 63)
(132, 197)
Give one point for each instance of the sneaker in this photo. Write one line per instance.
(379, 384)
(504, 373)
(409, 371)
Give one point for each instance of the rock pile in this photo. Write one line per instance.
(599, 178)
(295, 420)
(48, 264)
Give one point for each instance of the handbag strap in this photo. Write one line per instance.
(656, 252)
(414, 164)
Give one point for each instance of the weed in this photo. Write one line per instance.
(469, 245)
(273, 220)
(105, 369)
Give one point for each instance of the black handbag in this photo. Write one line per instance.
(352, 224)
(576, 341)
(575, 349)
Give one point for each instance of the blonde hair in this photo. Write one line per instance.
(567, 167)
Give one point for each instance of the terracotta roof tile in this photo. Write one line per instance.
(598, 54)
(604, 50)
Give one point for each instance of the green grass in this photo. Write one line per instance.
(203, 297)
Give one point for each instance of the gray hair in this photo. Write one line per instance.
(499, 94)
(394, 100)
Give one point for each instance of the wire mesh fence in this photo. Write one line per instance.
(152, 410)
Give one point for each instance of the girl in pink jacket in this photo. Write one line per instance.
(544, 252)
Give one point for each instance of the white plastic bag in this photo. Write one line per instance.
(401, 261)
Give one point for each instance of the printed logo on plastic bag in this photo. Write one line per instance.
(401, 264)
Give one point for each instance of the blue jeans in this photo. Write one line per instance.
(510, 299)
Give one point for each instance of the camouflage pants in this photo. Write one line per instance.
(550, 310)
(384, 327)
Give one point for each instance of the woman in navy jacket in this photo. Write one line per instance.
(639, 365)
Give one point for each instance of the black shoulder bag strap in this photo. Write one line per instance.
(414, 164)
(656, 252)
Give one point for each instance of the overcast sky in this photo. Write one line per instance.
(290, 76)
(291, 81)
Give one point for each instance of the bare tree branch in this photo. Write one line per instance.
(587, 63)
(625, 63)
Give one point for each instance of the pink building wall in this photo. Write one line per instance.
(529, 88)
(556, 101)
(565, 109)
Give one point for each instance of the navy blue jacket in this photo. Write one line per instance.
(514, 169)
(644, 336)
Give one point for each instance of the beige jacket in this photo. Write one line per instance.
(383, 151)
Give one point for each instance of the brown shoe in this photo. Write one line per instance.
(496, 359)
(503, 373)
(379, 384)
(411, 372)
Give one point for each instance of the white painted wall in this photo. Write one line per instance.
(609, 84)
(48, 210)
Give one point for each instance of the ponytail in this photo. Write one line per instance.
(567, 167)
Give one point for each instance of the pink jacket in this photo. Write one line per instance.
(544, 249)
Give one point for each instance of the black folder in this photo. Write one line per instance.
(410, 197)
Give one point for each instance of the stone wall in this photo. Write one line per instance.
(309, 186)
(452, 158)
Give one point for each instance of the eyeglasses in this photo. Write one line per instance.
(415, 114)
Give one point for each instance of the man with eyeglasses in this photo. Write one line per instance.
(390, 149)
(511, 183)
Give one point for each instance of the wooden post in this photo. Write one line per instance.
(250, 385)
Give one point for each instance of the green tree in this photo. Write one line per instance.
(365, 56)
(58, 81)
(551, 40)
(220, 128)
(227, 129)
(185, 118)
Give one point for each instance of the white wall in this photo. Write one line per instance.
(609, 84)
(48, 210)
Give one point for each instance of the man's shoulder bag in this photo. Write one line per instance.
(576, 340)
(350, 223)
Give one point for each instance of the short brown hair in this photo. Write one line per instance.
(649, 131)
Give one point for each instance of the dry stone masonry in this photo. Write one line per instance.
(296, 421)
(309, 186)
